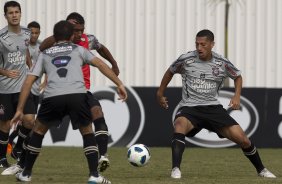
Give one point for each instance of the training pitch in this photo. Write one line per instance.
(58, 165)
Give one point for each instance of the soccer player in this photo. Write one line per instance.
(35, 90)
(14, 63)
(203, 72)
(62, 64)
(90, 42)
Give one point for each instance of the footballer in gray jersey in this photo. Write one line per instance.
(34, 53)
(203, 72)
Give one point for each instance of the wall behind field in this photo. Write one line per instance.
(145, 36)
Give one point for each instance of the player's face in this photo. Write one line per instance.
(35, 32)
(78, 30)
(13, 16)
(204, 47)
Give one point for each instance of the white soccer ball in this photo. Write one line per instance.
(138, 155)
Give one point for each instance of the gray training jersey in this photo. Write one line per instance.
(34, 53)
(62, 64)
(93, 42)
(13, 48)
(201, 80)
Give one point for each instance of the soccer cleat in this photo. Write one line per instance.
(176, 173)
(12, 170)
(103, 163)
(16, 153)
(4, 163)
(21, 177)
(266, 174)
(98, 180)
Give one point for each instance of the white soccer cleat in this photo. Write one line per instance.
(12, 170)
(176, 173)
(98, 180)
(103, 163)
(23, 178)
(266, 174)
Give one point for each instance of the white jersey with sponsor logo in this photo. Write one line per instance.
(62, 64)
(13, 48)
(34, 53)
(201, 80)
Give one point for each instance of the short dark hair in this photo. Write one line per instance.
(33, 24)
(63, 30)
(206, 33)
(11, 4)
(76, 16)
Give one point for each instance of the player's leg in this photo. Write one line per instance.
(4, 136)
(182, 126)
(33, 149)
(236, 134)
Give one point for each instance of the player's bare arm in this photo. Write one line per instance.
(105, 53)
(162, 100)
(235, 100)
(28, 59)
(105, 69)
(47, 43)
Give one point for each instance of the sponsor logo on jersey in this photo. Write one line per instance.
(202, 85)
(16, 58)
(247, 117)
(215, 71)
(61, 61)
(218, 63)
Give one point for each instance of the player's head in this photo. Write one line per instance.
(12, 13)
(63, 31)
(78, 22)
(35, 31)
(204, 44)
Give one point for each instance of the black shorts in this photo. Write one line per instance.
(92, 101)
(9, 102)
(211, 117)
(53, 110)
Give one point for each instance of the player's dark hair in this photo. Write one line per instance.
(76, 16)
(33, 24)
(63, 30)
(206, 33)
(11, 4)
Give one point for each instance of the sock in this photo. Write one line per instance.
(23, 154)
(101, 134)
(3, 144)
(22, 133)
(32, 151)
(252, 154)
(178, 146)
(91, 153)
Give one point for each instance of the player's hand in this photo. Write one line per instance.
(12, 73)
(17, 118)
(122, 93)
(235, 102)
(115, 70)
(163, 102)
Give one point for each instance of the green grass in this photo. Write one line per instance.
(57, 165)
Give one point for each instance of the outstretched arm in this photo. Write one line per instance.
(160, 93)
(106, 70)
(235, 100)
(105, 53)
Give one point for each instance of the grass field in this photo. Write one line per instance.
(57, 165)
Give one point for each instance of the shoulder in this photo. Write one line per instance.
(187, 56)
(4, 32)
(25, 31)
(91, 37)
(220, 58)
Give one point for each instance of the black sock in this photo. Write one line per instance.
(23, 154)
(91, 153)
(252, 154)
(22, 133)
(101, 134)
(32, 151)
(3, 144)
(178, 146)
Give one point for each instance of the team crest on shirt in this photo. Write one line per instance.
(215, 71)
(2, 109)
(202, 75)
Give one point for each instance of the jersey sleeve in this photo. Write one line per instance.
(86, 55)
(93, 42)
(176, 66)
(37, 68)
(231, 71)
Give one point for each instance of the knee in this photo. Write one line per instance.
(96, 113)
(86, 129)
(28, 121)
(244, 142)
(182, 125)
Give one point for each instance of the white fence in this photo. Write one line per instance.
(145, 36)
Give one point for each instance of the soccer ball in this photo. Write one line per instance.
(138, 155)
